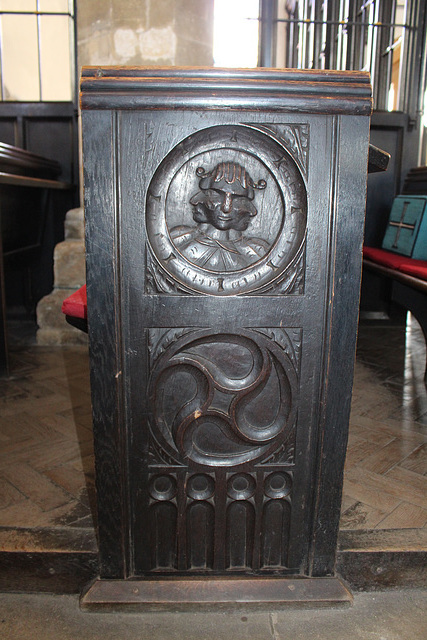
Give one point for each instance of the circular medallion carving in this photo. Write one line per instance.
(226, 212)
(163, 487)
(241, 486)
(277, 485)
(200, 487)
(222, 399)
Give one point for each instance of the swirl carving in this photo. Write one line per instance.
(223, 399)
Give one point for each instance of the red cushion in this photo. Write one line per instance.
(386, 258)
(416, 268)
(76, 304)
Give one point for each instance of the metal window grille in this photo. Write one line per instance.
(385, 37)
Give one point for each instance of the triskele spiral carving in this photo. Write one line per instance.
(222, 399)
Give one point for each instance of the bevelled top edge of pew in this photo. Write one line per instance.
(15, 160)
(281, 90)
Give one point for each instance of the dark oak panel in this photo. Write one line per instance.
(224, 255)
(331, 92)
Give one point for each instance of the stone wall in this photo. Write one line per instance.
(145, 32)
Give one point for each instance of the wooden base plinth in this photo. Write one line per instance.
(214, 593)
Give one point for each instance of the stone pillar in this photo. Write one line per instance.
(69, 270)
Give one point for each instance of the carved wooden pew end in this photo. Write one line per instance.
(224, 224)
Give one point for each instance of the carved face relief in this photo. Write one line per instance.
(226, 212)
(223, 209)
(225, 197)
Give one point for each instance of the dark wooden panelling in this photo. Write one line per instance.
(50, 130)
(8, 131)
(54, 138)
(105, 345)
(309, 91)
(222, 374)
(46, 128)
(391, 132)
(346, 234)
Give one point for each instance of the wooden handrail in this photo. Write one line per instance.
(27, 181)
(411, 281)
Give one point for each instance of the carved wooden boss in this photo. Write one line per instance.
(224, 227)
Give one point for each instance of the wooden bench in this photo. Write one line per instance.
(407, 279)
(26, 180)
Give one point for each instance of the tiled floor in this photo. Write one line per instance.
(46, 452)
(385, 484)
(46, 456)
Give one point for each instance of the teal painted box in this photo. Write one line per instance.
(406, 231)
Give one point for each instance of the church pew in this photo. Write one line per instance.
(26, 180)
(407, 278)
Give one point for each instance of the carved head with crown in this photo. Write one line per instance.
(225, 197)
